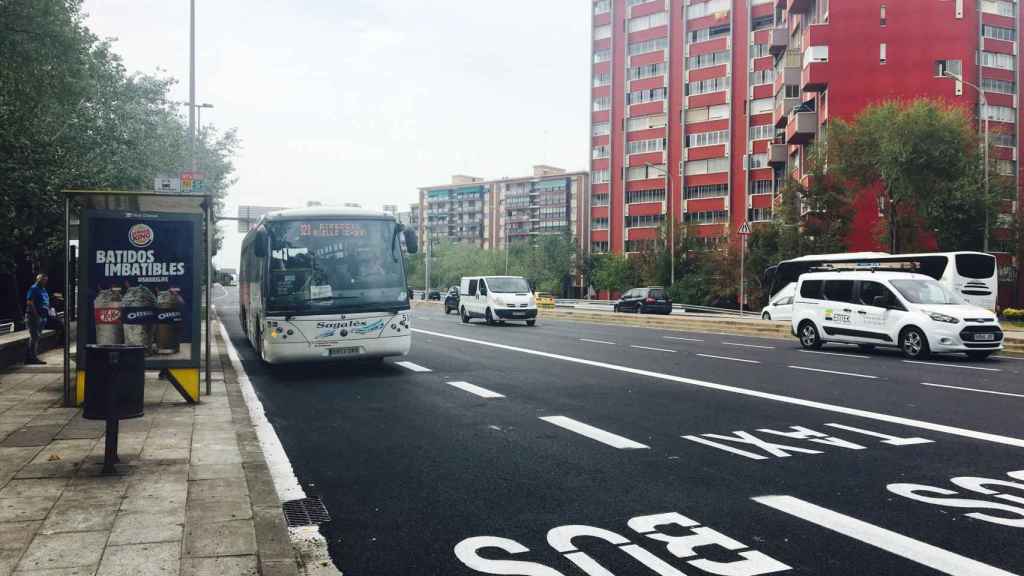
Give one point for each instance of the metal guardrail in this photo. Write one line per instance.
(571, 303)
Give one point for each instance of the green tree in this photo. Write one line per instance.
(613, 272)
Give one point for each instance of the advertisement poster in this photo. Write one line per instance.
(140, 284)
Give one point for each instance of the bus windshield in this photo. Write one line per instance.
(335, 266)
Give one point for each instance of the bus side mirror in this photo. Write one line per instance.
(412, 244)
(260, 245)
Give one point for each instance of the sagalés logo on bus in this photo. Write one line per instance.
(140, 235)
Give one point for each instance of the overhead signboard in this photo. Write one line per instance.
(166, 184)
(248, 216)
(192, 182)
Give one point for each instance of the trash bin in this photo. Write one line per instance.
(116, 369)
(114, 390)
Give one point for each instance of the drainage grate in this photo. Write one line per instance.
(305, 512)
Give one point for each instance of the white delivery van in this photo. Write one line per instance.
(912, 312)
(496, 299)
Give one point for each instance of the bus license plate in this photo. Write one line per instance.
(988, 337)
(344, 351)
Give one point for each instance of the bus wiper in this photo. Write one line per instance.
(331, 298)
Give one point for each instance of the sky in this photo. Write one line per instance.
(366, 100)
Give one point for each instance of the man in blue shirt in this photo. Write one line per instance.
(37, 310)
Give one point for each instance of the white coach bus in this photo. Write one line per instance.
(970, 275)
(325, 284)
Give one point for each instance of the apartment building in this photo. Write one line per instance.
(701, 109)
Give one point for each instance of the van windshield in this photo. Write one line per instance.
(926, 292)
(502, 285)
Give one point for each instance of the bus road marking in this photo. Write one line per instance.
(996, 392)
(729, 358)
(944, 365)
(854, 374)
(412, 366)
(474, 389)
(893, 542)
(602, 436)
(749, 345)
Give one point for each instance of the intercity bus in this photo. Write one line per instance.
(971, 275)
(325, 284)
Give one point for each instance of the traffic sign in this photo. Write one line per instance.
(744, 229)
(192, 182)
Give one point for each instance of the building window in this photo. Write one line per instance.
(602, 79)
(705, 34)
(1006, 167)
(1000, 7)
(709, 217)
(709, 59)
(631, 3)
(1001, 86)
(599, 224)
(602, 32)
(761, 187)
(707, 86)
(762, 22)
(999, 113)
(881, 16)
(707, 138)
(639, 245)
(759, 214)
(942, 67)
(647, 22)
(600, 176)
(998, 33)
(758, 77)
(710, 166)
(646, 71)
(601, 129)
(762, 106)
(759, 50)
(602, 103)
(705, 113)
(652, 195)
(706, 191)
(646, 46)
(997, 60)
(599, 200)
(646, 122)
(882, 53)
(645, 172)
(602, 6)
(646, 221)
(642, 96)
(758, 161)
(599, 247)
(762, 132)
(645, 146)
(1002, 139)
(603, 55)
(600, 152)
(701, 9)
(792, 91)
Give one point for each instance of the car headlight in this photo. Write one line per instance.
(499, 301)
(942, 318)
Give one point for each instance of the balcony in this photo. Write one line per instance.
(816, 70)
(783, 106)
(799, 6)
(778, 154)
(779, 40)
(802, 127)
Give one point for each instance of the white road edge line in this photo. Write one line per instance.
(910, 422)
(602, 436)
(893, 542)
(835, 372)
(306, 538)
(683, 339)
(974, 390)
(729, 358)
(649, 348)
(412, 366)
(749, 345)
(597, 341)
(1008, 358)
(952, 365)
(474, 389)
(835, 354)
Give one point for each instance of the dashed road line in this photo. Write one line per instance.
(474, 389)
(729, 358)
(749, 345)
(953, 366)
(893, 542)
(650, 348)
(835, 372)
(683, 339)
(1008, 358)
(973, 390)
(412, 366)
(602, 436)
(835, 354)
(597, 341)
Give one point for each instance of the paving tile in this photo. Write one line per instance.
(223, 566)
(14, 539)
(215, 471)
(145, 527)
(80, 516)
(279, 568)
(234, 538)
(76, 571)
(22, 509)
(219, 511)
(45, 488)
(153, 559)
(218, 489)
(64, 450)
(55, 469)
(33, 435)
(65, 550)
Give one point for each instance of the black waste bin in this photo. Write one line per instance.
(115, 378)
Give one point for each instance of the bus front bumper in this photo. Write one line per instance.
(290, 353)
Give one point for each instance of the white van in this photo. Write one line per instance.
(910, 311)
(496, 299)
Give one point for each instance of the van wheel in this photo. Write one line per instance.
(531, 322)
(979, 354)
(809, 337)
(489, 317)
(465, 315)
(914, 343)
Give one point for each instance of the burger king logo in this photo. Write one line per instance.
(140, 235)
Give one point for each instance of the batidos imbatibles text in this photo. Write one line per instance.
(136, 263)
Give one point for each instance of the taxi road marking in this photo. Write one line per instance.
(729, 358)
(474, 389)
(893, 542)
(412, 366)
(973, 390)
(834, 372)
(952, 366)
(602, 436)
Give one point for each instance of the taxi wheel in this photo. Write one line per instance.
(914, 343)
(809, 337)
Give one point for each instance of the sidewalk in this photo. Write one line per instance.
(193, 495)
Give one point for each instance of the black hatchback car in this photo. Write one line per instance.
(451, 300)
(651, 300)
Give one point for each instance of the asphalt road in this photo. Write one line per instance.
(621, 450)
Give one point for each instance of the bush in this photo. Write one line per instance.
(1013, 314)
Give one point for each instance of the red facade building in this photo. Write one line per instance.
(702, 108)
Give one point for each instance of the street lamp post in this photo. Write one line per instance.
(671, 224)
(508, 217)
(985, 112)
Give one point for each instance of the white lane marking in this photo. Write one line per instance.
(974, 390)
(649, 348)
(683, 339)
(597, 341)
(893, 542)
(412, 366)
(835, 372)
(602, 436)
(1008, 358)
(749, 345)
(726, 447)
(911, 422)
(474, 389)
(834, 354)
(729, 358)
(952, 365)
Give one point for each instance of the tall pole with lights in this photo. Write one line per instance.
(985, 113)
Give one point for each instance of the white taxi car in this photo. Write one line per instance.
(901, 309)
